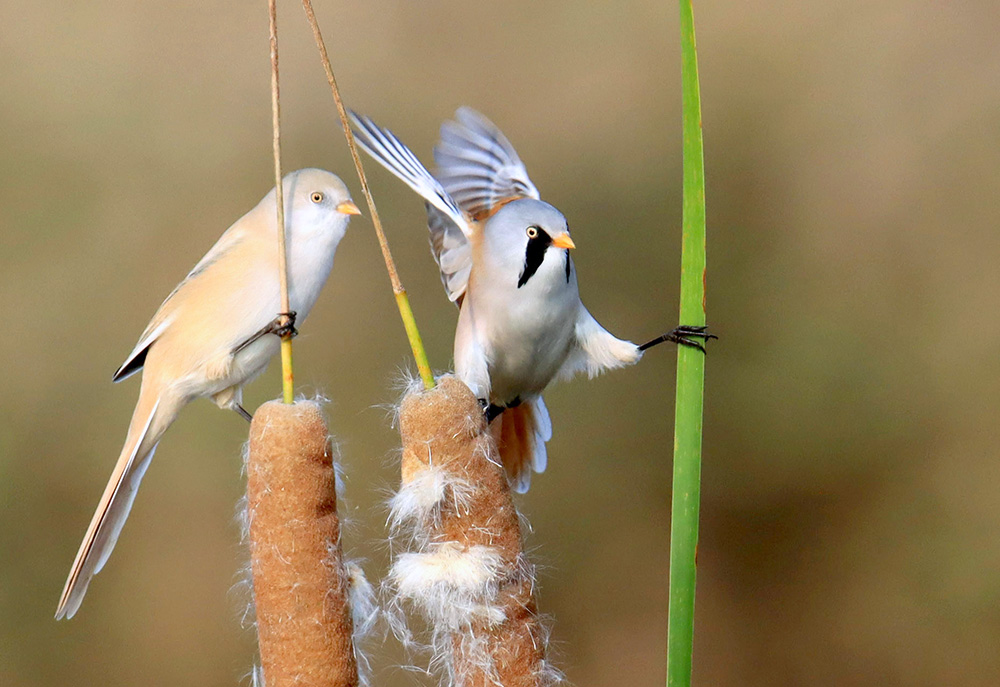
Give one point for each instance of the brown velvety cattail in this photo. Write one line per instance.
(465, 571)
(302, 589)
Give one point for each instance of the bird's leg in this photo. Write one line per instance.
(282, 325)
(680, 335)
(243, 413)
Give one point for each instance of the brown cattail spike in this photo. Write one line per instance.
(300, 585)
(466, 572)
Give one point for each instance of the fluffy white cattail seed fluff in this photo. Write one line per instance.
(465, 573)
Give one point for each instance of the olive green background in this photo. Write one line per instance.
(850, 510)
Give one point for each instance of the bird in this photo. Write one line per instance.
(504, 258)
(215, 332)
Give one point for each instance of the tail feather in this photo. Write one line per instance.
(111, 529)
(148, 424)
(521, 433)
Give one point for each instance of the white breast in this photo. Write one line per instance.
(526, 334)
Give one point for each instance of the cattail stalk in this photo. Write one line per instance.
(690, 375)
(301, 587)
(466, 571)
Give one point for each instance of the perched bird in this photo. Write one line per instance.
(504, 259)
(214, 333)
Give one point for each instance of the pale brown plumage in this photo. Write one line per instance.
(192, 348)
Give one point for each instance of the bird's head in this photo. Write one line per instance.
(318, 205)
(529, 241)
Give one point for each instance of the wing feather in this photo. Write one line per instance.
(452, 252)
(393, 154)
(478, 166)
(163, 317)
(446, 222)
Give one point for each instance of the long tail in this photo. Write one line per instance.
(521, 433)
(151, 418)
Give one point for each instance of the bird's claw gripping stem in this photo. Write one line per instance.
(681, 335)
(282, 326)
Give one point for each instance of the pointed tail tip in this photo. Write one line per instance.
(66, 611)
(69, 604)
(62, 612)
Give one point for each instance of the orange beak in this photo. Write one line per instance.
(563, 241)
(348, 208)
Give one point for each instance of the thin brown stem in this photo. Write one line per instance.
(390, 265)
(402, 300)
(287, 379)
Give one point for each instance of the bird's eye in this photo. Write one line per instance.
(532, 232)
(316, 197)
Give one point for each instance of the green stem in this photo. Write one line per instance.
(690, 374)
(416, 343)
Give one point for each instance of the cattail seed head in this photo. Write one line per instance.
(303, 591)
(466, 572)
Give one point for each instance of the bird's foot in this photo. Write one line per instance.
(491, 410)
(243, 413)
(681, 335)
(283, 325)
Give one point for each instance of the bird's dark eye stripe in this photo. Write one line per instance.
(534, 255)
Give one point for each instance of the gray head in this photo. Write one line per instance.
(527, 242)
(317, 203)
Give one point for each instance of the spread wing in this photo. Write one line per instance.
(451, 251)
(478, 166)
(446, 222)
(393, 154)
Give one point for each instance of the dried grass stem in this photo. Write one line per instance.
(402, 300)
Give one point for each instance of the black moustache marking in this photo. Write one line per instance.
(534, 255)
(567, 267)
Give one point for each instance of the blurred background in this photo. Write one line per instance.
(850, 513)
